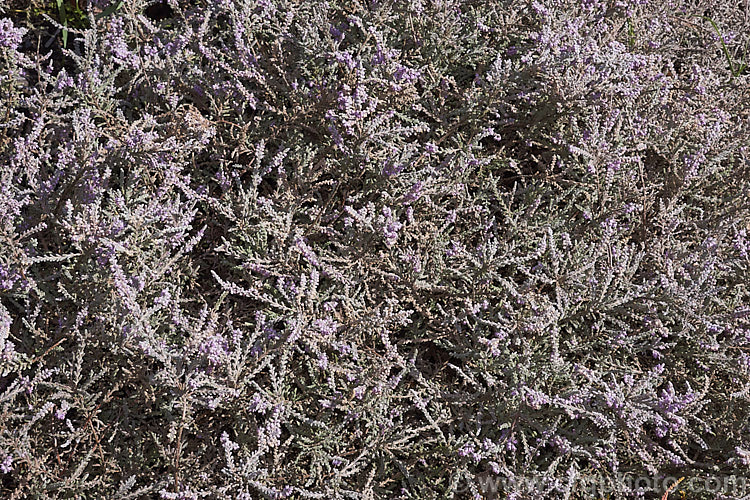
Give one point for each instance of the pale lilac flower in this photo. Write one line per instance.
(10, 36)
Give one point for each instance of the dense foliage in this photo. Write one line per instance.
(386, 249)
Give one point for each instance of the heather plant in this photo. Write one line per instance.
(328, 249)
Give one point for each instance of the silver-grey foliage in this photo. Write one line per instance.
(386, 249)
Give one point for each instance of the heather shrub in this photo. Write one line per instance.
(326, 249)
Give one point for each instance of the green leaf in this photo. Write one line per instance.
(109, 10)
(64, 21)
(724, 47)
